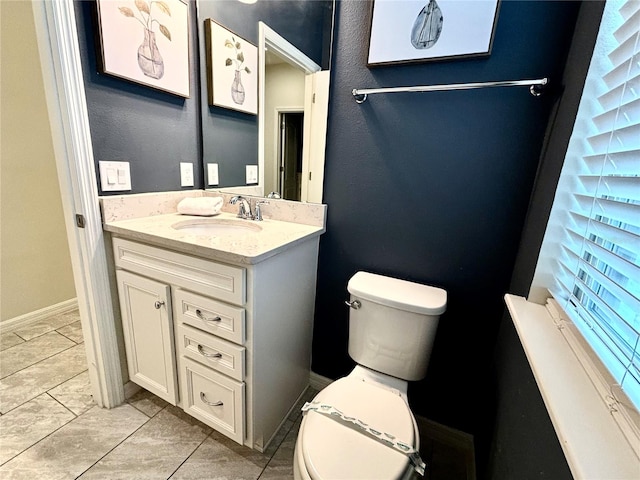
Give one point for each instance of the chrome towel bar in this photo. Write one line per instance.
(535, 88)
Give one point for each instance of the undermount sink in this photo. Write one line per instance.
(216, 226)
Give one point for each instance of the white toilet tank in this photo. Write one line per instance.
(393, 329)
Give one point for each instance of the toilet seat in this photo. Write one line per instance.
(332, 450)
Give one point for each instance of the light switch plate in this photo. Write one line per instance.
(115, 176)
(212, 174)
(252, 174)
(186, 174)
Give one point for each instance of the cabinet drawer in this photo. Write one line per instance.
(224, 282)
(213, 399)
(224, 357)
(209, 315)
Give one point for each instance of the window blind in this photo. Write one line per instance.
(596, 269)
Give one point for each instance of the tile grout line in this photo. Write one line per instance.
(75, 418)
(70, 339)
(275, 450)
(190, 455)
(42, 359)
(11, 346)
(115, 446)
(24, 342)
(63, 405)
(46, 391)
(22, 338)
(142, 412)
(44, 333)
(47, 435)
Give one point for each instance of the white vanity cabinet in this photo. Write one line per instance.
(230, 343)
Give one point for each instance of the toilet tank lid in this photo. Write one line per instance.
(396, 293)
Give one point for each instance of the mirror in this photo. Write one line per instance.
(294, 41)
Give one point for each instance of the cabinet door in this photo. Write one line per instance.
(145, 306)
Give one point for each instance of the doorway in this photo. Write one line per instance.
(36, 274)
(278, 53)
(290, 144)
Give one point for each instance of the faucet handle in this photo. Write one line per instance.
(258, 210)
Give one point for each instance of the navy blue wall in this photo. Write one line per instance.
(151, 129)
(434, 188)
(521, 418)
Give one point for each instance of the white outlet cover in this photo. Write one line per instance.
(186, 174)
(115, 176)
(252, 174)
(212, 174)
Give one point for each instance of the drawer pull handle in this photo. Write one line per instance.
(158, 304)
(202, 317)
(211, 404)
(208, 355)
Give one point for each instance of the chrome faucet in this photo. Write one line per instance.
(244, 210)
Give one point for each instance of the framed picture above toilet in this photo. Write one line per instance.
(414, 31)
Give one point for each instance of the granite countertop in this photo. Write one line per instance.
(249, 247)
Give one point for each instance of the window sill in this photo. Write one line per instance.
(593, 445)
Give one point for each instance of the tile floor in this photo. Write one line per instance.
(50, 428)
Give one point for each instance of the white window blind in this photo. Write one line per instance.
(590, 258)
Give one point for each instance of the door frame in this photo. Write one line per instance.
(278, 111)
(55, 24)
(270, 39)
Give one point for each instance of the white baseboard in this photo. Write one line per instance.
(32, 317)
(318, 381)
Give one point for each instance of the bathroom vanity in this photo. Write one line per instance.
(219, 323)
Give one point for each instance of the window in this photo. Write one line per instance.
(590, 257)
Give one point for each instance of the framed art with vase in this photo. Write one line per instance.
(145, 42)
(414, 31)
(232, 69)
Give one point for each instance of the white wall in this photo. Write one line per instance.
(35, 270)
(284, 88)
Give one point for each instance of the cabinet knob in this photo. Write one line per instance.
(158, 304)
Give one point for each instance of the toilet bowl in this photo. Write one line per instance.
(392, 325)
(329, 449)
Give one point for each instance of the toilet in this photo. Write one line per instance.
(361, 426)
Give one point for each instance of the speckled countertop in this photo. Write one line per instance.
(248, 247)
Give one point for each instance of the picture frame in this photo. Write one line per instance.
(416, 31)
(232, 69)
(146, 43)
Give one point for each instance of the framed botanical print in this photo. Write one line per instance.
(232, 69)
(146, 42)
